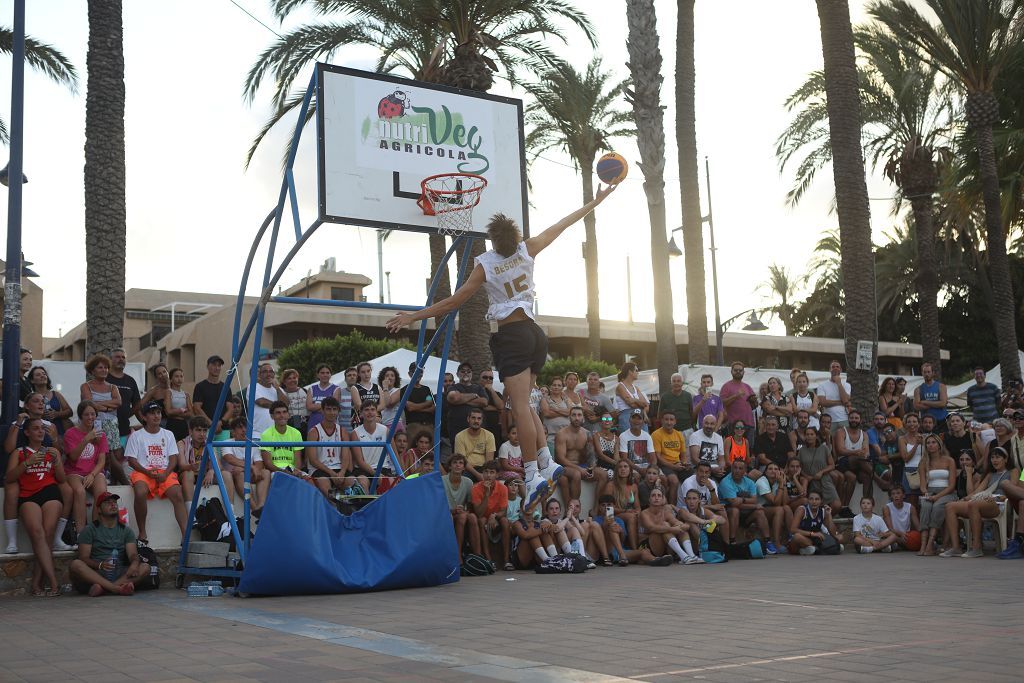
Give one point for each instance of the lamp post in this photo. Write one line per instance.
(382, 236)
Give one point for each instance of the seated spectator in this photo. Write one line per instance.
(419, 409)
(565, 534)
(796, 435)
(771, 494)
(980, 504)
(422, 443)
(425, 465)
(670, 450)
(706, 445)
(38, 470)
(901, 518)
(190, 457)
(593, 546)
(739, 494)
(736, 445)
(636, 446)
(665, 532)
(287, 459)
(296, 399)
(777, 404)
(152, 453)
(817, 464)
(938, 489)
(629, 398)
(490, 502)
(796, 485)
(696, 513)
(911, 448)
(177, 405)
(366, 459)
(613, 527)
(1013, 489)
(528, 529)
(571, 453)
(475, 443)
(103, 394)
(233, 462)
(652, 480)
(400, 446)
(890, 459)
(679, 402)
(86, 451)
(329, 465)
(108, 558)
(771, 446)
(510, 458)
(34, 406)
(605, 443)
(626, 498)
(56, 410)
(870, 532)
(825, 430)
(458, 489)
(702, 482)
(810, 525)
(851, 450)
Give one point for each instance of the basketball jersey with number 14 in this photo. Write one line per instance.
(508, 282)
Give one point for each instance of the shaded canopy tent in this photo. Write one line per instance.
(401, 358)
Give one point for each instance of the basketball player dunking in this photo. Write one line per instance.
(519, 346)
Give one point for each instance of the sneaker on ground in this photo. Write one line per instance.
(690, 559)
(697, 560)
(952, 552)
(663, 561)
(536, 489)
(60, 546)
(12, 548)
(808, 550)
(887, 549)
(864, 549)
(770, 548)
(973, 553)
(842, 548)
(1012, 552)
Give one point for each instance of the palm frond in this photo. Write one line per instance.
(46, 59)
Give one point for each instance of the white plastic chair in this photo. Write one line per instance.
(1001, 521)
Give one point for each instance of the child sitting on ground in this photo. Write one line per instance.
(870, 532)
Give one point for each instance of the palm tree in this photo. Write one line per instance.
(689, 185)
(45, 58)
(105, 212)
(461, 43)
(906, 125)
(844, 118)
(575, 112)
(781, 288)
(972, 44)
(645, 97)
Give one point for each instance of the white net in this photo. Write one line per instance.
(451, 198)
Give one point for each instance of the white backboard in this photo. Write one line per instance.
(378, 136)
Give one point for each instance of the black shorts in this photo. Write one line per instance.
(519, 346)
(319, 474)
(51, 492)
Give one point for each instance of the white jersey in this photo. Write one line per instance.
(508, 282)
(329, 456)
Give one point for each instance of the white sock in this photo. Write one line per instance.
(531, 469)
(61, 524)
(567, 547)
(577, 547)
(552, 550)
(543, 458)
(673, 545)
(688, 548)
(11, 527)
(541, 553)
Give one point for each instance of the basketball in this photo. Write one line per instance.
(913, 540)
(612, 168)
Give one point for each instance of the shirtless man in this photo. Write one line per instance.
(571, 454)
(664, 529)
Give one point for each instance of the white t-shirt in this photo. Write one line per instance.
(829, 390)
(637, 447)
(764, 487)
(711, 448)
(508, 282)
(870, 528)
(372, 455)
(508, 451)
(691, 483)
(153, 451)
(261, 420)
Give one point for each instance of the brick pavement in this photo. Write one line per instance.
(786, 619)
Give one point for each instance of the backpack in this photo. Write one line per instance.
(212, 520)
(829, 546)
(70, 535)
(148, 555)
(569, 563)
(751, 550)
(475, 565)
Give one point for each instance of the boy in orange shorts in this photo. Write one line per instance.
(152, 453)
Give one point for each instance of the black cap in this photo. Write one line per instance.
(151, 406)
(215, 359)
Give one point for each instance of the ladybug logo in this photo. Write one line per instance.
(393, 105)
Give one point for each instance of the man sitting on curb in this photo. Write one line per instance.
(102, 548)
(152, 453)
(739, 494)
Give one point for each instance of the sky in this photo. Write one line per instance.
(193, 207)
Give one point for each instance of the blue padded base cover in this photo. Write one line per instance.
(404, 539)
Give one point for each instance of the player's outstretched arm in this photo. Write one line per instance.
(443, 307)
(539, 243)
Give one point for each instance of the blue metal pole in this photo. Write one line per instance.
(12, 284)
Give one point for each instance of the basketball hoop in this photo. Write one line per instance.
(450, 197)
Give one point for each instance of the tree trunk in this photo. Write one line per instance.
(858, 266)
(438, 248)
(645, 69)
(590, 261)
(105, 212)
(689, 186)
(919, 181)
(474, 330)
(998, 263)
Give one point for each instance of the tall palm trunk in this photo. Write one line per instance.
(645, 69)
(982, 113)
(105, 210)
(919, 181)
(689, 185)
(438, 248)
(858, 267)
(590, 258)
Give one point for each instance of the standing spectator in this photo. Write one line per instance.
(983, 397)
(706, 446)
(890, 403)
(930, 397)
(475, 443)
(572, 391)
(207, 392)
(103, 395)
(938, 489)
(834, 396)
(419, 409)
(776, 404)
(323, 388)
(1013, 399)
(364, 390)
(56, 411)
(131, 398)
(459, 489)
(804, 399)
(554, 411)
(268, 391)
(495, 405)
(178, 406)
(771, 447)
(38, 471)
(152, 453)
(679, 402)
(86, 452)
(901, 518)
(708, 403)
(296, 397)
(24, 365)
(636, 446)
(446, 386)
(347, 416)
(461, 398)
(670, 450)
(592, 399)
(108, 557)
(911, 448)
(739, 400)
(390, 394)
(628, 396)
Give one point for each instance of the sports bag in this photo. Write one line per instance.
(569, 563)
(751, 550)
(212, 520)
(829, 546)
(148, 555)
(475, 565)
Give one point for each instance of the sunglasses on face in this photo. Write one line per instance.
(486, 377)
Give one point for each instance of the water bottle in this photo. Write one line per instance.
(210, 589)
(111, 574)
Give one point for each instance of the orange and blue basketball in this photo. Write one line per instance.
(612, 168)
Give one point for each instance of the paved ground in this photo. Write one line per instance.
(782, 619)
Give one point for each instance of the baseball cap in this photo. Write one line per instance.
(105, 496)
(638, 411)
(215, 359)
(151, 406)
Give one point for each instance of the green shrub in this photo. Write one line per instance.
(339, 353)
(581, 366)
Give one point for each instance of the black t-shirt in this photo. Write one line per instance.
(777, 451)
(207, 393)
(957, 445)
(130, 397)
(457, 414)
(420, 394)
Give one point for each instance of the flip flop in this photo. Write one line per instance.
(623, 562)
(38, 593)
(127, 589)
(53, 593)
(607, 563)
(509, 567)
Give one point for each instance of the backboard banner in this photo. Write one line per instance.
(378, 136)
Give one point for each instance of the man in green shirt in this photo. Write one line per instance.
(281, 458)
(679, 402)
(108, 558)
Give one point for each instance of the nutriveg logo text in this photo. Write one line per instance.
(402, 127)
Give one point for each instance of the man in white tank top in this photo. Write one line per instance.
(327, 464)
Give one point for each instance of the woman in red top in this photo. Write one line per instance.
(38, 470)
